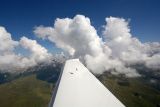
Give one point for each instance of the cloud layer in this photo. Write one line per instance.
(116, 53)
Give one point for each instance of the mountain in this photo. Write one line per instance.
(44, 71)
(25, 91)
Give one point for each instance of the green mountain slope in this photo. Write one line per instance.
(25, 92)
(132, 92)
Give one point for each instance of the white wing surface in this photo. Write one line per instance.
(78, 87)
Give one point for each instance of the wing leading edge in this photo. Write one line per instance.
(77, 87)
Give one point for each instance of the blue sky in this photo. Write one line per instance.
(20, 17)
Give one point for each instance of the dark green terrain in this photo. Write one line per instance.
(25, 92)
(132, 92)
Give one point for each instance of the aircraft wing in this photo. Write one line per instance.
(78, 87)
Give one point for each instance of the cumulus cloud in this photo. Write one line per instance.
(153, 62)
(6, 42)
(128, 48)
(12, 62)
(76, 36)
(38, 53)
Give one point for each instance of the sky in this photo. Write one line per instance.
(20, 17)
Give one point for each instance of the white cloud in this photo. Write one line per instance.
(128, 48)
(76, 36)
(38, 53)
(153, 62)
(12, 62)
(6, 42)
